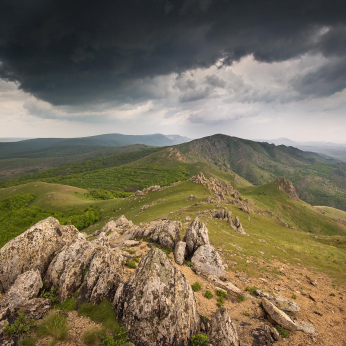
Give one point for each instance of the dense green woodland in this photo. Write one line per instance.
(16, 215)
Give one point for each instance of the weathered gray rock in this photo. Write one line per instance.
(206, 259)
(131, 243)
(26, 286)
(157, 305)
(278, 316)
(281, 302)
(33, 249)
(103, 277)
(196, 236)
(65, 272)
(164, 232)
(110, 226)
(122, 222)
(222, 331)
(225, 285)
(180, 252)
(35, 308)
(306, 327)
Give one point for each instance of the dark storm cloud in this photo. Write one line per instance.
(73, 52)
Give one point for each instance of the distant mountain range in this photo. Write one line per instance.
(48, 147)
(336, 150)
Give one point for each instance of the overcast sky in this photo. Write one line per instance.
(253, 69)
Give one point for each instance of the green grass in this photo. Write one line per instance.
(55, 325)
(28, 341)
(103, 313)
(93, 336)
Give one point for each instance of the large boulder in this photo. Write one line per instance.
(196, 236)
(222, 331)
(163, 232)
(206, 259)
(180, 252)
(66, 269)
(26, 286)
(33, 249)
(278, 316)
(103, 277)
(157, 305)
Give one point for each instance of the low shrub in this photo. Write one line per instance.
(294, 296)
(20, 326)
(93, 336)
(240, 298)
(282, 331)
(196, 286)
(52, 295)
(131, 264)
(252, 290)
(199, 340)
(208, 294)
(222, 293)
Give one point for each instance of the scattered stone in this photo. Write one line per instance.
(191, 197)
(281, 302)
(188, 218)
(157, 305)
(145, 207)
(306, 327)
(278, 316)
(226, 285)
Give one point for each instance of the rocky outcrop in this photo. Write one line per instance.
(163, 232)
(180, 252)
(223, 214)
(103, 277)
(206, 259)
(196, 236)
(33, 249)
(66, 270)
(222, 331)
(281, 302)
(157, 305)
(288, 187)
(110, 226)
(219, 188)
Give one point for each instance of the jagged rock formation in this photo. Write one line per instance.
(104, 276)
(227, 215)
(163, 232)
(196, 236)
(157, 305)
(222, 331)
(94, 266)
(33, 249)
(220, 188)
(288, 187)
(281, 302)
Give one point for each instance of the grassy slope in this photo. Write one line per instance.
(299, 247)
(317, 182)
